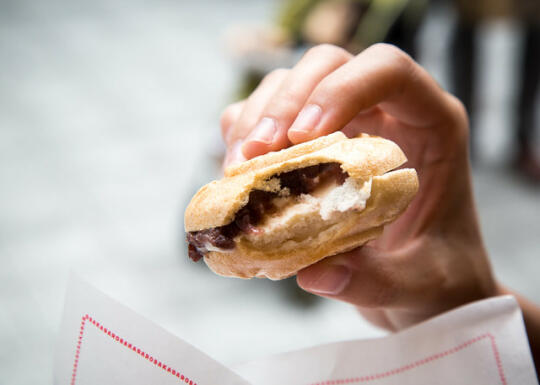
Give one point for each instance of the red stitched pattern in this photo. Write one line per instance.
(128, 345)
(424, 361)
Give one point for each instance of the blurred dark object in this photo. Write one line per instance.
(403, 32)
(470, 15)
(351, 24)
(310, 22)
(528, 161)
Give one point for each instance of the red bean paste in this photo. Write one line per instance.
(301, 181)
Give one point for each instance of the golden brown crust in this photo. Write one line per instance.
(247, 264)
(390, 195)
(286, 154)
(216, 204)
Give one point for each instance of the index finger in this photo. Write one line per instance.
(382, 76)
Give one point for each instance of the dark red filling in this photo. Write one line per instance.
(300, 181)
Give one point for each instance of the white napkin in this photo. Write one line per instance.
(480, 343)
(103, 342)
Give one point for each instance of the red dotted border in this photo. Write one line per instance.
(353, 380)
(424, 361)
(128, 345)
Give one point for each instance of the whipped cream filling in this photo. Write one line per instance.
(329, 201)
(351, 195)
(209, 247)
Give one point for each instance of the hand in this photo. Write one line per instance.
(432, 258)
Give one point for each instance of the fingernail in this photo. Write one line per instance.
(331, 280)
(264, 131)
(235, 155)
(307, 119)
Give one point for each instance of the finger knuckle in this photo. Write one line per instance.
(400, 66)
(458, 109)
(288, 99)
(226, 116)
(225, 124)
(332, 86)
(459, 118)
(327, 51)
(390, 51)
(278, 73)
(392, 55)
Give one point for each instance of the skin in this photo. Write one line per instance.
(432, 259)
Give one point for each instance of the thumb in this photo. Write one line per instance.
(365, 277)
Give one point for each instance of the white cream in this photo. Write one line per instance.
(303, 216)
(327, 201)
(209, 247)
(351, 195)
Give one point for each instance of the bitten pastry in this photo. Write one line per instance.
(280, 212)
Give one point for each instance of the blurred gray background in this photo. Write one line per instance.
(109, 123)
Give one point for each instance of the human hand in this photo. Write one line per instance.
(432, 258)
